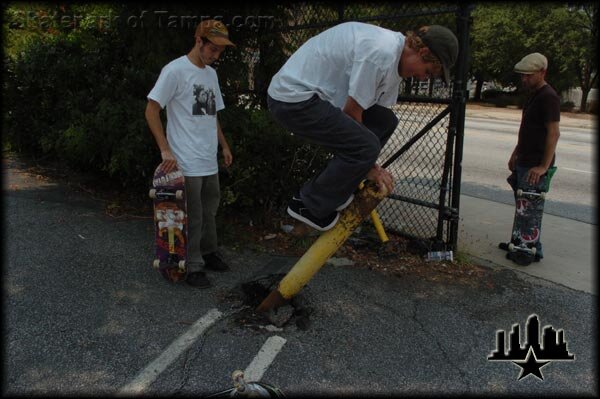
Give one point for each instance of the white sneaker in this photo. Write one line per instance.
(297, 210)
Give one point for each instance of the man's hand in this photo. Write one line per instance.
(534, 174)
(227, 157)
(382, 178)
(169, 162)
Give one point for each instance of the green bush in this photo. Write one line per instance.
(269, 164)
(73, 100)
(491, 94)
(78, 96)
(567, 106)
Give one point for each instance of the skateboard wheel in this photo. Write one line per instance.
(152, 193)
(156, 263)
(533, 250)
(181, 265)
(179, 194)
(511, 247)
(519, 192)
(543, 195)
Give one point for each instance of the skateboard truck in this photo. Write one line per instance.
(513, 248)
(521, 193)
(153, 193)
(157, 264)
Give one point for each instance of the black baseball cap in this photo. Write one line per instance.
(443, 44)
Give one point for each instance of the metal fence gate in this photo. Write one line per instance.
(424, 154)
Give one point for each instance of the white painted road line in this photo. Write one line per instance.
(143, 380)
(578, 170)
(261, 362)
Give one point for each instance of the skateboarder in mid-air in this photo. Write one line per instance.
(533, 157)
(186, 86)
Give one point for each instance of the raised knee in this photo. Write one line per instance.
(372, 150)
(393, 120)
(389, 120)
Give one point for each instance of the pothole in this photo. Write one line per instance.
(249, 295)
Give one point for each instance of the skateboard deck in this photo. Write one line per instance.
(527, 224)
(170, 223)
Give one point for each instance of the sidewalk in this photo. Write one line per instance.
(514, 114)
(568, 244)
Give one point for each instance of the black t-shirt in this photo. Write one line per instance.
(541, 108)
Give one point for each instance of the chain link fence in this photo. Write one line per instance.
(122, 48)
(425, 152)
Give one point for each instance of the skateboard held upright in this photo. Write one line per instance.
(527, 225)
(170, 223)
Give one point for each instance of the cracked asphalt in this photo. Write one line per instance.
(84, 312)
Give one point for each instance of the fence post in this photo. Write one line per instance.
(460, 97)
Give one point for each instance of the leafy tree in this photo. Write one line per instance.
(496, 38)
(583, 49)
(504, 32)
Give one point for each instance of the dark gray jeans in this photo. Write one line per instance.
(355, 146)
(203, 196)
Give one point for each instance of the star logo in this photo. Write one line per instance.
(531, 365)
(551, 347)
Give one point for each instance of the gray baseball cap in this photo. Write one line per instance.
(443, 44)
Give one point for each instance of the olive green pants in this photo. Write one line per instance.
(203, 196)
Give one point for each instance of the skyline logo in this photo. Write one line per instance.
(533, 355)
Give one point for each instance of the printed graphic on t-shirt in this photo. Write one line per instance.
(205, 103)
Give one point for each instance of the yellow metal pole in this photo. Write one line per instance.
(379, 227)
(324, 247)
(377, 222)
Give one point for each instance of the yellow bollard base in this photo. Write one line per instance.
(324, 247)
(272, 301)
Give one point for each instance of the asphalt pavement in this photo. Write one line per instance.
(85, 314)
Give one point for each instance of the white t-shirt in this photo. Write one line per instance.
(192, 97)
(351, 59)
